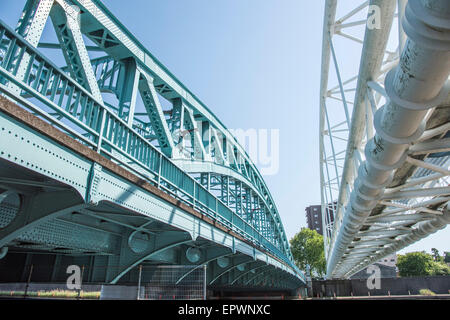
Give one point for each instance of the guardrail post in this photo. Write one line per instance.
(193, 197)
(159, 169)
(217, 208)
(102, 128)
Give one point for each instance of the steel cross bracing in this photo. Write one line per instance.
(384, 141)
(170, 139)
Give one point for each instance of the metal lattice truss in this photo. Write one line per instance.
(162, 135)
(384, 127)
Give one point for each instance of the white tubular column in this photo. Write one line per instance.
(417, 84)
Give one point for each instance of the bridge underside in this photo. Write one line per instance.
(385, 161)
(109, 158)
(59, 206)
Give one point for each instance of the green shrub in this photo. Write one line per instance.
(440, 269)
(426, 292)
(415, 264)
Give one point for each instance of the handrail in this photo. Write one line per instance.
(158, 70)
(103, 129)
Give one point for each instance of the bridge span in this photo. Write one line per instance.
(110, 160)
(384, 128)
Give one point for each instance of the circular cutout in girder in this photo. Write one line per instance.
(139, 241)
(193, 254)
(223, 262)
(241, 267)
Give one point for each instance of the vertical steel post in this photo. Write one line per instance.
(139, 283)
(102, 128)
(28, 282)
(204, 281)
(159, 169)
(193, 198)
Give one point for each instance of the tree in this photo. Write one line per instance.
(439, 268)
(447, 257)
(307, 249)
(420, 264)
(414, 264)
(436, 255)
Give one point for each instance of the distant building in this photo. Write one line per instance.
(314, 217)
(387, 265)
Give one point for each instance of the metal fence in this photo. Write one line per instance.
(172, 283)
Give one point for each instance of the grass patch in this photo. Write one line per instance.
(53, 294)
(426, 292)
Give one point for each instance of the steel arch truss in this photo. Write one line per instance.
(383, 135)
(117, 99)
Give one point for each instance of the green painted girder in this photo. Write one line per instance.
(251, 268)
(212, 167)
(37, 209)
(62, 234)
(129, 259)
(46, 157)
(113, 137)
(209, 256)
(98, 19)
(242, 170)
(155, 113)
(107, 69)
(73, 47)
(236, 261)
(258, 275)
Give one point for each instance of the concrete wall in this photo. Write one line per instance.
(393, 286)
(117, 292)
(32, 287)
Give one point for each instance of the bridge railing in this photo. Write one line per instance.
(60, 100)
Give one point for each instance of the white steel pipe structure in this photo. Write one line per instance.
(386, 194)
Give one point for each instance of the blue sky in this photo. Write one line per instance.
(255, 64)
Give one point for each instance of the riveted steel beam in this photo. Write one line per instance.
(38, 209)
(155, 113)
(65, 18)
(209, 255)
(128, 259)
(235, 262)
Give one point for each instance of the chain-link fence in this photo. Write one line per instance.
(172, 283)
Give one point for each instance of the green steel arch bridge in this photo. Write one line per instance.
(86, 174)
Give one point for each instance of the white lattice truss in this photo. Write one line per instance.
(384, 143)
